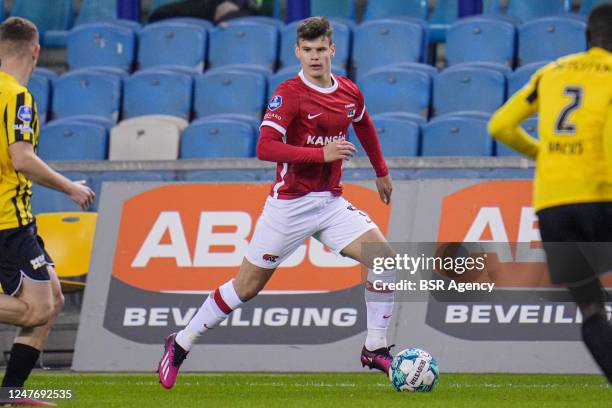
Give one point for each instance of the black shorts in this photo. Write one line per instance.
(22, 253)
(577, 239)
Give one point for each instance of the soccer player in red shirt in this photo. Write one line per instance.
(304, 131)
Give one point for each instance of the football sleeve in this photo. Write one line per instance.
(505, 124)
(366, 133)
(271, 147)
(360, 108)
(282, 109)
(18, 118)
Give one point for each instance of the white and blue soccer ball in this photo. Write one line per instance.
(414, 370)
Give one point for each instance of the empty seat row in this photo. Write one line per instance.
(154, 91)
(496, 40)
(417, 88)
(167, 138)
(455, 134)
(447, 11)
(151, 137)
(408, 87)
(248, 41)
(54, 19)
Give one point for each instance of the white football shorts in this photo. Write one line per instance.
(285, 224)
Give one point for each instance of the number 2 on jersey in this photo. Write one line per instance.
(562, 126)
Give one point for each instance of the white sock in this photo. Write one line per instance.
(217, 306)
(379, 305)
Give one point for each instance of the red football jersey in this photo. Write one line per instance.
(310, 116)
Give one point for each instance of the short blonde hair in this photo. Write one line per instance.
(17, 36)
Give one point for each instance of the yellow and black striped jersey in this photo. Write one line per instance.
(19, 124)
(573, 99)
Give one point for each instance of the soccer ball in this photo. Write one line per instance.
(413, 369)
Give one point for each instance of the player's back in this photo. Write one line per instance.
(19, 123)
(574, 95)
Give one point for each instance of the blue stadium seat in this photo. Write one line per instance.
(179, 69)
(2, 10)
(101, 44)
(397, 90)
(521, 76)
(411, 117)
(587, 5)
(336, 8)
(414, 66)
(549, 38)
(220, 175)
(445, 13)
(129, 24)
(105, 122)
(531, 126)
(243, 43)
(466, 87)
(289, 72)
(477, 115)
(523, 11)
(398, 136)
(249, 68)
(403, 42)
(392, 8)
(46, 18)
(238, 117)
(481, 39)
(229, 92)
(450, 135)
(121, 73)
(82, 92)
(61, 140)
(92, 11)
(214, 138)
(341, 37)
(40, 88)
(205, 24)
(275, 22)
(172, 44)
(46, 72)
(502, 69)
(152, 92)
(46, 200)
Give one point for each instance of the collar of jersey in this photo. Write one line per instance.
(8, 77)
(316, 87)
(599, 51)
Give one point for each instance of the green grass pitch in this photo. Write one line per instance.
(324, 390)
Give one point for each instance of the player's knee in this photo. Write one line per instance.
(42, 312)
(36, 314)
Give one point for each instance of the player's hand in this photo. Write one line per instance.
(385, 187)
(82, 195)
(340, 150)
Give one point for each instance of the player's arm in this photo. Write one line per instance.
(366, 133)
(505, 125)
(607, 135)
(19, 116)
(271, 147)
